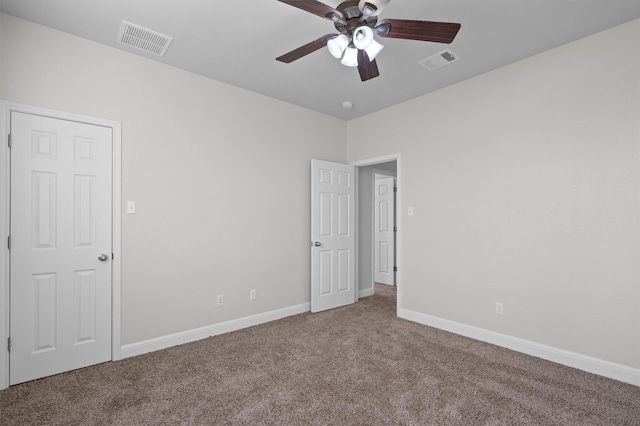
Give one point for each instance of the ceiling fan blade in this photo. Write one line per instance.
(367, 69)
(439, 32)
(312, 6)
(306, 49)
(377, 4)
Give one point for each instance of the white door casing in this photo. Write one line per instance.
(61, 222)
(332, 235)
(384, 235)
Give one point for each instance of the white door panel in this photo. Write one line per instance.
(61, 189)
(384, 235)
(333, 235)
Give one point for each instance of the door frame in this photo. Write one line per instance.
(5, 192)
(370, 162)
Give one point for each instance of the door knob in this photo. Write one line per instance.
(103, 257)
(317, 244)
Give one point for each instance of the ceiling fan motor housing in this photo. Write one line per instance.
(352, 18)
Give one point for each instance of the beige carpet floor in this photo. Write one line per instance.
(357, 365)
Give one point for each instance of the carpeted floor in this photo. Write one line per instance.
(354, 365)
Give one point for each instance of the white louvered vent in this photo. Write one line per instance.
(143, 39)
(439, 60)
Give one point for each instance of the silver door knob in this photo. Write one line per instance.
(103, 257)
(317, 244)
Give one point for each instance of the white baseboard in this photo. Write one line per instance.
(188, 336)
(366, 292)
(560, 356)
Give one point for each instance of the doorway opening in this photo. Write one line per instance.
(388, 166)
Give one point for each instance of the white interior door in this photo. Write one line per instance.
(384, 234)
(332, 235)
(61, 246)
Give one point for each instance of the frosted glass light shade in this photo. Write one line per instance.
(350, 57)
(373, 49)
(362, 37)
(337, 45)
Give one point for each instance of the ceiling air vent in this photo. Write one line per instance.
(143, 39)
(439, 60)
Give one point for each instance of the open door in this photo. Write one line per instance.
(384, 231)
(332, 235)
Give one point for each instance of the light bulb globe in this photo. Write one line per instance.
(337, 45)
(373, 49)
(362, 37)
(350, 57)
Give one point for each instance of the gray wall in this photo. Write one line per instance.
(525, 186)
(220, 176)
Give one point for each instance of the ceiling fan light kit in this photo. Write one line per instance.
(361, 39)
(355, 43)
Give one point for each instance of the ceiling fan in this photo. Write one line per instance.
(357, 23)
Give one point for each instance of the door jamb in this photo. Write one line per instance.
(369, 162)
(116, 203)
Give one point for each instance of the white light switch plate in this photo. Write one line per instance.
(410, 211)
(131, 207)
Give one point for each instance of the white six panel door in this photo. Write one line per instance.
(332, 235)
(61, 222)
(384, 236)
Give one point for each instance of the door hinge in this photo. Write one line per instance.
(9, 344)
(9, 140)
(395, 269)
(9, 242)
(112, 256)
(395, 189)
(395, 229)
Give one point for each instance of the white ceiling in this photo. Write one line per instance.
(237, 41)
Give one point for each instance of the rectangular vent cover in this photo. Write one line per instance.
(439, 60)
(143, 39)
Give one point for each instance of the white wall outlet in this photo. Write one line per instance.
(410, 211)
(131, 207)
(220, 300)
(499, 308)
(253, 295)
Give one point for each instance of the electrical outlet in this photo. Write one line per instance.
(220, 300)
(253, 295)
(499, 308)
